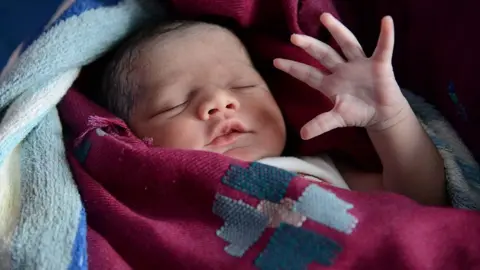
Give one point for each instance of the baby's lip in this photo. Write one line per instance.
(227, 133)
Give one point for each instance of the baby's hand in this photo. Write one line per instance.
(364, 90)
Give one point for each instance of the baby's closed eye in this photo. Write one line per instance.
(243, 86)
(244, 83)
(171, 108)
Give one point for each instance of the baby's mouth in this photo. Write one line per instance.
(227, 133)
(226, 139)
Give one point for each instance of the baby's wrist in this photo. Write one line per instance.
(404, 113)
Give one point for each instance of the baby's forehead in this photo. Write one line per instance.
(191, 53)
(194, 34)
(188, 45)
(198, 29)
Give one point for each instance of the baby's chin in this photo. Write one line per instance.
(248, 154)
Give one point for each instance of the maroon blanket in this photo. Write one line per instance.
(150, 208)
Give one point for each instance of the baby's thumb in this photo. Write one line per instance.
(322, 123)
(384, 49)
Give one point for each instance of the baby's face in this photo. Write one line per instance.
(200, 91)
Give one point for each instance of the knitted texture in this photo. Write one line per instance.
(462, 170)
(50, 223)
(325, 207)
(257, 181)
(296, 248)
(243, 224)
(291, 246)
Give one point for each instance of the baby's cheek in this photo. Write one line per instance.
(178, 134)
(270, 113)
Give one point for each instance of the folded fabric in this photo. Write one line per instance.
(151, 208)
(43, 224)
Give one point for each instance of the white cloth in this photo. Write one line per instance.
(319, 168)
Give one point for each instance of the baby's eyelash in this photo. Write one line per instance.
(177, 106)
(243, 87)
(172, 108)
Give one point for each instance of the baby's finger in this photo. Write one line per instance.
(303, 72)
(345, 39)
(322, 123)
(325, 54)
(384, 49)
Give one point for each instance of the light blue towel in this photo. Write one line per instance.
(43, 221)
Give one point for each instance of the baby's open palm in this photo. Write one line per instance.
(364, 90)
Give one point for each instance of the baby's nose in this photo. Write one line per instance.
(219, 104)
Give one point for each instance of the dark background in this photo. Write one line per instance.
(21, 20)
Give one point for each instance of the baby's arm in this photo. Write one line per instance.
(365, 94)
(412, 165)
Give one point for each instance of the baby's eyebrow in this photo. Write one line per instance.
(162, 84)
(154, 91)
(165, 81)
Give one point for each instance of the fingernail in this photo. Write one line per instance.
(303, 135)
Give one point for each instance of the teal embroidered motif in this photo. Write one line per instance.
(326, 208)
(295, 248)
(243, 224)
(261, 181)
(291, 246)
(281, 213)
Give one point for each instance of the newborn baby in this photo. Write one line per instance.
(192, 85)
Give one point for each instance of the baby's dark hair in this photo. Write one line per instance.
(118, 93)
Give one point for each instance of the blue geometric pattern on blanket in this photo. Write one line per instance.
(295, 248)
(326, 208)
(290, 247)
(81, 152)
(79, 251)
(243, 224)
(261, 181)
